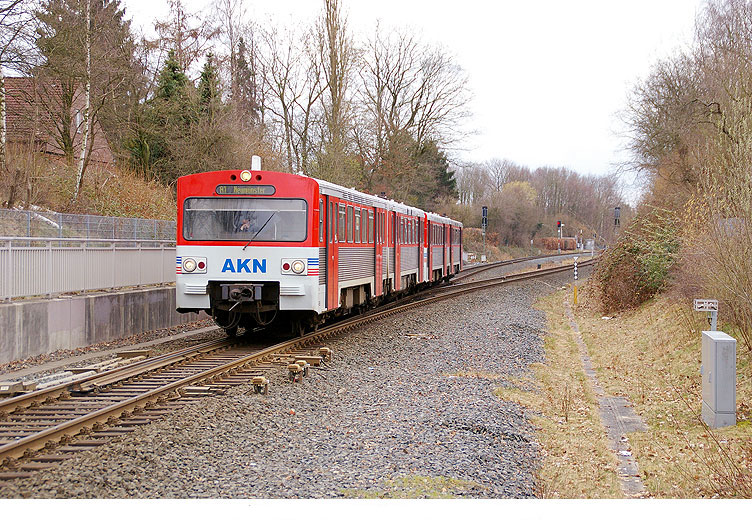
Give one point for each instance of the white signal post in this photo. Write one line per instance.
(575, 280)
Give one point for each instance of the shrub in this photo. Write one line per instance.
(637, 267)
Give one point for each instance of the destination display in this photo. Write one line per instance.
(245, 189)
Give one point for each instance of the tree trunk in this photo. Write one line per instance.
(2, 124)
(87, 106)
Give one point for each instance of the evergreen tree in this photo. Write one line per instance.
(244, 96)
(209, 100)
(173, 82)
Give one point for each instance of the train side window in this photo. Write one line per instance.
(364, 226)
(357, 225)
(341, 226)
(370, 226)
(322, 213)
(349, 224)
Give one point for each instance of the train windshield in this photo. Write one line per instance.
(243, 219)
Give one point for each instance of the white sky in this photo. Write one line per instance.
(548, 77)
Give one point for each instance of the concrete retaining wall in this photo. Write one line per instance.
(31, 328)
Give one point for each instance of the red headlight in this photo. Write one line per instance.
(285, 266)
(201, 265)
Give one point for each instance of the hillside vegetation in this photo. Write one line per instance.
(691, 135)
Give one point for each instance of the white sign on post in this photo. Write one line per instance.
(706, 305)
(710, 306)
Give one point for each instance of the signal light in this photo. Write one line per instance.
(558, 224)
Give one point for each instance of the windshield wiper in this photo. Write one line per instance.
(259, 230)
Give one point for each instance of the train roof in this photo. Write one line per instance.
(350, 194)
(355, 196)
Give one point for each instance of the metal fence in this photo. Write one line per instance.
(32, 266)
(29, 223)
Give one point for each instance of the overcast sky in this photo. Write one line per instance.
(548, 77)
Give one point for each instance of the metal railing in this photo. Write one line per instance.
(30, 223)
(32, 266)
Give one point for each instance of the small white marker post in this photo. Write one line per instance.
(575, 280)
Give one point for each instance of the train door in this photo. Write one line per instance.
(378, 240)
(419, 240)
(396, 239)
(425, 276)
(332, 254)
(429, 242)
(451, 250)
(447, 248)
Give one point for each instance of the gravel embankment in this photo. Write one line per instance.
(407, 397)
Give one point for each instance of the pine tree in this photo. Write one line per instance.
(209, 100)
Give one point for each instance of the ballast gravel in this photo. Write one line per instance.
(408, 400)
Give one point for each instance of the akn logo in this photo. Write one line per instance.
(244, 265)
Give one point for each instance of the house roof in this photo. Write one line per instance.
(30, 107)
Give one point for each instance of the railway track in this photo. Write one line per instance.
(489, 266)
(44, 427)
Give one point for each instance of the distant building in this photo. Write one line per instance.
(30, 120)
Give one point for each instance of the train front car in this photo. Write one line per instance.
(246, 251)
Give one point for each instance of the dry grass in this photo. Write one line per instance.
(416, 487)
(105, 191)
(576, 460)
(652, 355)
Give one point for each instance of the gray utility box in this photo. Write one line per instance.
(718, 379)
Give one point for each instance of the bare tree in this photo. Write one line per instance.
(407, 87)
(337, 56)
(87, 105)
(293, 85)
(188, 34)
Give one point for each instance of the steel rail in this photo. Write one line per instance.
(489, 266)
(150, 364)
(20, 447)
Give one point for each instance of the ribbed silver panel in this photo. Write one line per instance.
(291, 290)
(195, 289)
(391, 259)
(355, 263)
(408, 259)
(385, 265)
(437, 259)
(357, 199)
(456, 254)
(322, 266)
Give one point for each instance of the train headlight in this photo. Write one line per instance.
(298, 266)
(189, 264)
(245, 175)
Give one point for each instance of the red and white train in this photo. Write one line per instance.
(256, 247)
